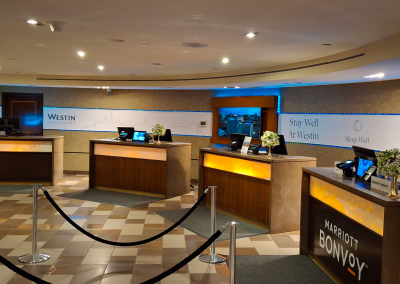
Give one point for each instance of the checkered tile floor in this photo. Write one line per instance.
(77, 259)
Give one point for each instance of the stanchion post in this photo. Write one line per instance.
(35, 256)
(212, 257)
(232, 252)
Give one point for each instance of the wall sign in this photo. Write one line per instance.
(370, 131)
(351, 251)
(180, 122)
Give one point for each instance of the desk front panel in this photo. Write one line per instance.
(241, 194)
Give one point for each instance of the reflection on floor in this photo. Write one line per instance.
(77, 259)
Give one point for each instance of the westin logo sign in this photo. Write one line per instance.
(61, 117)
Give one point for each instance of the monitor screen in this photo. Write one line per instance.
(363, 166)
(239, 138)
(364, 152)
(281, 148)
(128, 130)
(9, 123)
(167, 137)
(138, 136)
(243, 120)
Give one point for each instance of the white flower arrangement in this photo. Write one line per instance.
(270, 138)
(158, 130)
(389, 163)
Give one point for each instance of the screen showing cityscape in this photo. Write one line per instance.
(245, 120)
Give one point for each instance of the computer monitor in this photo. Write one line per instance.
(128, 130)
(239, 138)
(7, 124)
(138, 136)
(364, 159)
(167, 137)
(281, 148)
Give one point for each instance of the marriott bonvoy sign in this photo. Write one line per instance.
(346, 130)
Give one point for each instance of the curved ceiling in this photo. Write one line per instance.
(290, 33)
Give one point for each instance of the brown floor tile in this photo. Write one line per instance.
(97, 219)
(58, 241)
(143, 272)
(76, 249)
(134, 221)
(37, 270)
(105, 207)
(260, 238)
(284, 241)
(206, 278)
(66, 265)
(18, 279)
(89, 273)
(121, 211)
(121, 265)
(246, 251)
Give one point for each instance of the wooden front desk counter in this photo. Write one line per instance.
(161, 169)
(28, 159)
(351, 231)
(255, 186)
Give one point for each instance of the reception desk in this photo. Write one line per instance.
(352, 232)
(27, 159)
(266, 190)
(162, 169)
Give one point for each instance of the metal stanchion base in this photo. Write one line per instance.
(34, 258)
(212, 258)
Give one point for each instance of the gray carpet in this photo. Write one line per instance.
(284, 269)
(17, 189)
(199, 222)
(111, 197)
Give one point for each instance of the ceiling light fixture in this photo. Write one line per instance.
(156, 64)
(34, 22)
(225, 60)
(251, 34)
(81, 53)
(144, 44)
(327, 44)
(379, 75)
(100, 67)
(237, 87)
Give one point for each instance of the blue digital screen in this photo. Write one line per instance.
(244, 120)
(138, 136)
(363, 166)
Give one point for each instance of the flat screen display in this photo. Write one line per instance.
(363, 166)
(138, 136)
(243, 120)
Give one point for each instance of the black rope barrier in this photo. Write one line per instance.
(22, 272)
(159, 277)
(117, 243)
(186, 260)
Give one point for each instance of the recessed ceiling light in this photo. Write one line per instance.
(116, 40)
(225, 60)
(237, 87)
(100, 67)
(34, 22)
(81, 53)
(251, 34)
(144, 44)
(379, 75)
(156, 64)
(327, 44)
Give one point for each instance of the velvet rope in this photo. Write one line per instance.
(22, 272)
(117, 243)
(185, 261)
(152, 280)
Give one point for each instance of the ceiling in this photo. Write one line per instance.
(289, 32)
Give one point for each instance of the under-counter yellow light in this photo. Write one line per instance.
(238, 166)
(362, 211)
(146, 153)
(26, 146)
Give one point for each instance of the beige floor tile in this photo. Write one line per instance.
(267, 248)
(296, 238)
(98, 256)
(154, 219)
(68, 226)
(181, 278)
(22, 216)
(9, 242)
(132, 229)
(174, 241)
(137, 215)
(188, 233)
(290, 251)
(5, 274)
(156, 205)
(101, 213)
(68, 210)
(244, 243)
(39, 221)
(24, 248)
(117, 278)
(149, 259)
(197, 266)
(58, 279)
(81, 238)
(125, 251)
(114, 224)
(90, 204)
(54, 254)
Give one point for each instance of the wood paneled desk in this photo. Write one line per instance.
(161, 169)
(349, 230)
(255, 186)
(27, 159)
